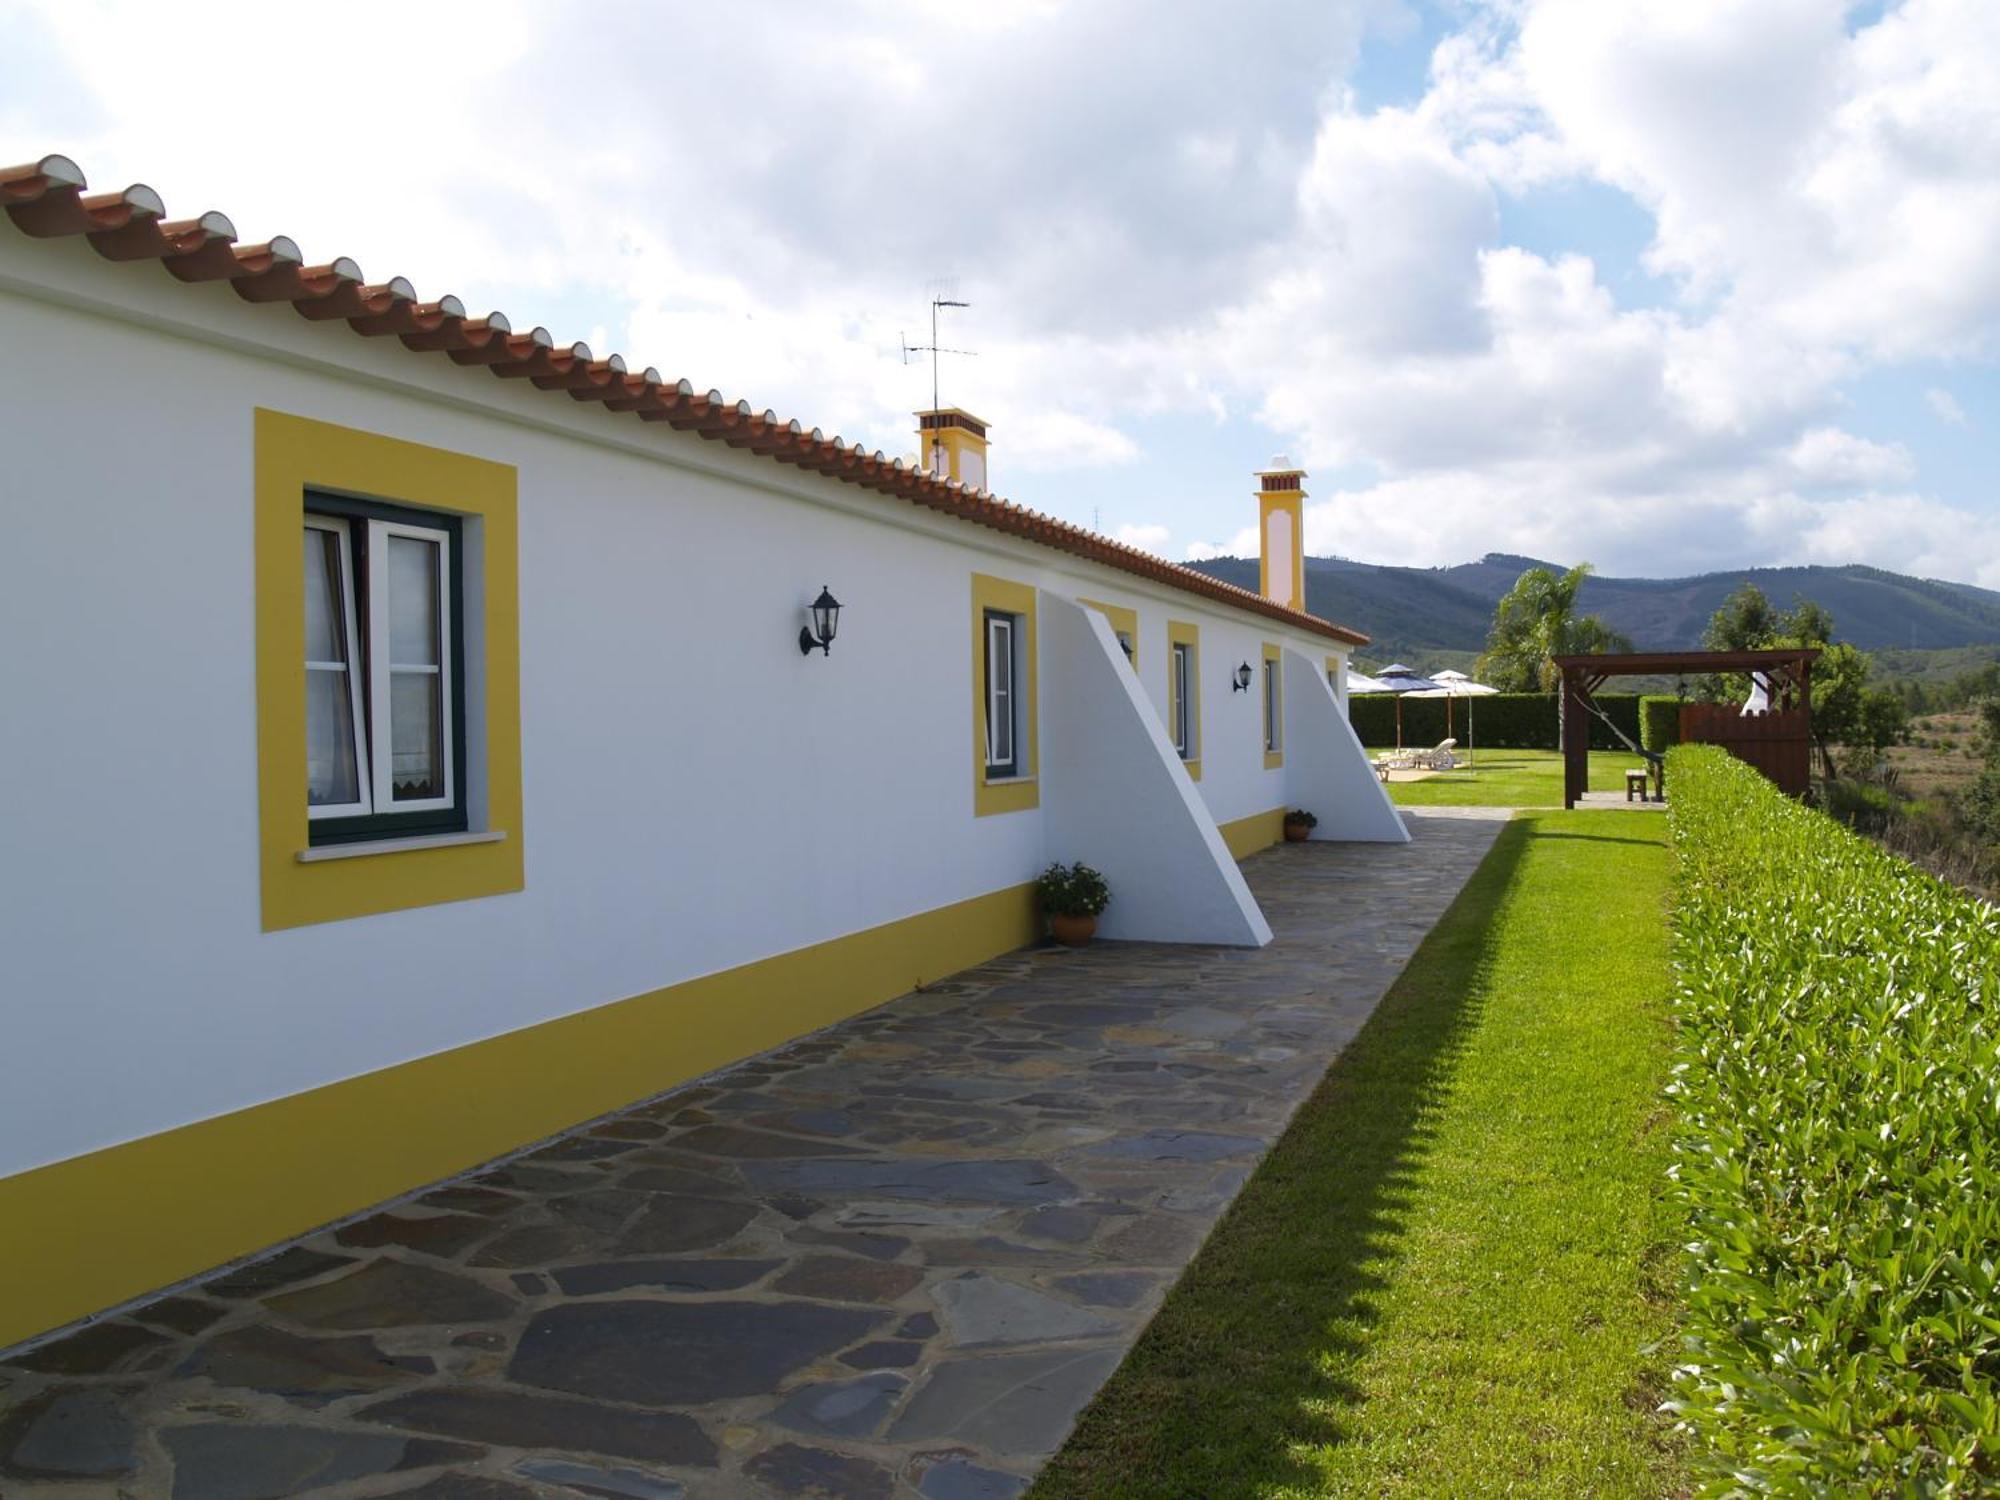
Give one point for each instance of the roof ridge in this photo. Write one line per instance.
(46, 199)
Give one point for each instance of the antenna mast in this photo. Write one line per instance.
(933, 350)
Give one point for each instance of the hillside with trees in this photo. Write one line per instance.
(1415, 613)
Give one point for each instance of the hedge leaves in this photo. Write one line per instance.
(1838, 1094)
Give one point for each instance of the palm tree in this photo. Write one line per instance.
(1536, 623)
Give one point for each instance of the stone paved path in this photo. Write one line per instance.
(890, 1261)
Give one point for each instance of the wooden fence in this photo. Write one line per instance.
(1778, 744)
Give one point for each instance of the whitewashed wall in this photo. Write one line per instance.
(690, 779)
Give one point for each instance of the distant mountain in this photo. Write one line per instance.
(1417, 612)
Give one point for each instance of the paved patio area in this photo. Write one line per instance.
(892, 1260)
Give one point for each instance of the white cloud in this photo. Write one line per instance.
(1146, 536)
(1829, 456)
(1945, 405)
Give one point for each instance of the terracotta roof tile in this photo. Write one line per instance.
(46, 199)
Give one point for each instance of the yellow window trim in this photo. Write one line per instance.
(1121, 619)
(1186, 633)
(292, 454)
(1015, 794)
(1274, 662)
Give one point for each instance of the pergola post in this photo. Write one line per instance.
(1575, 736)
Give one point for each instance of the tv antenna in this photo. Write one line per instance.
(934, 350)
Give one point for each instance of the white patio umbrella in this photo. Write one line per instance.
(1360, 682)
(1452, 684)
(1399, 679)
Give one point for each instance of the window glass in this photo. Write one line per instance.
(333, 756)
(1183, 707)
(416, 737)
(413, 601)
(325, 617)
(332, 778)
(416, 678)
(1000, 693)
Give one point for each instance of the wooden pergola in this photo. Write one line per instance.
(1778, 743)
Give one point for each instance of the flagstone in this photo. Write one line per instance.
(263, 1358)
(987, 1310)
(526, 1419)
(94, 1349)
(956, 1479)
(681, 1353)
(848, 1409)
(998, 1183)
(438, 1234)
(665, 1275)
(1012, 1405)
(672, 1222)
(791, 1469)
(465, 1487)
(843, 1278)
(392, 1294)
(76, 1433)
(283, 1269)
(230, 1461)
(611, 1484)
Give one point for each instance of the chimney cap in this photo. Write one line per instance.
(937, 417)
(1281, 464)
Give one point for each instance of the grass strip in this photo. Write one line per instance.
(1510, 778)
(1445, 1278)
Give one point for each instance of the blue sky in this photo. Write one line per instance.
(1666, 287)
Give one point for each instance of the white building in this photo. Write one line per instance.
(403, 763)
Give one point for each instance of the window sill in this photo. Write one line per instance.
(397, 846)
(1010, 781)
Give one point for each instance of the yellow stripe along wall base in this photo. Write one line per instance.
(85, 1234)
(1245, 836)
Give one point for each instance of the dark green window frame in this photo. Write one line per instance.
(374, 826)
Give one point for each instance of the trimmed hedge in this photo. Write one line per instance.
(1505, 721)
(1659, 722)
(1837, 1152)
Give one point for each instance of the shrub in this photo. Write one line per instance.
(1659, 722)
(1071, 891)
(1837, 1086)
(1300, 816)
(1861, 805)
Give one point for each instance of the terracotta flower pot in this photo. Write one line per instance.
(1297, 833)
(1073, 932)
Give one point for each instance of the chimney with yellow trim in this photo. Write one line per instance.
(1281, 533)
(952, 444)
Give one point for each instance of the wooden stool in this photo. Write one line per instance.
(1635, 781)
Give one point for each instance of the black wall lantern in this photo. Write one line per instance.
(825, 612)
(1242, 678)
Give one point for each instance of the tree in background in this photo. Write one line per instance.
(1536, 623)
(1846, 711)
(1746, 621)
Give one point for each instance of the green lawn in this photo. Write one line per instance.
(1510, 778)
(1452, 1276)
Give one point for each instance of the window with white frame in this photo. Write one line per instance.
(1182, 698)
(1003, 699)
(1273, 709)
(385, 690)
